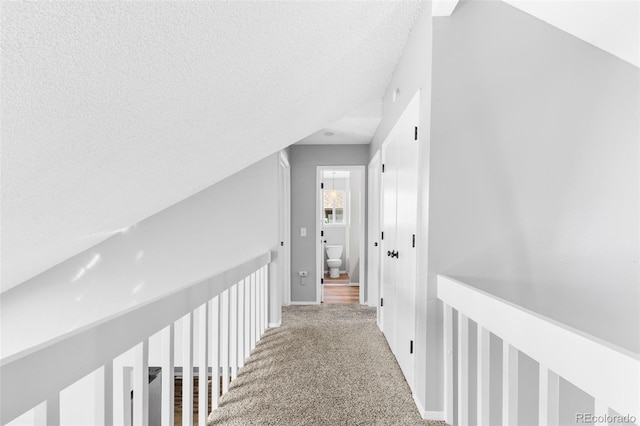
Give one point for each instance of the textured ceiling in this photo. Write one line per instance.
(357, 127)
(112, 111)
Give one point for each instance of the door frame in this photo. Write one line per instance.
(373, 224)
(319, 244)
(284, 249)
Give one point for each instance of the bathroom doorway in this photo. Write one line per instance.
(340, 214)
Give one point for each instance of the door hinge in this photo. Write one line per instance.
(321, 185)
(321, 280)
(322, 233)
(415, 136)
(413, 240)
(410, 346)
(383, 168)
(381, 302)
(382, 235)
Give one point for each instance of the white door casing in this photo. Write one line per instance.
(284, 250)
(320, 248)
(373, 248)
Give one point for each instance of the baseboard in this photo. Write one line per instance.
(305, 303)
(427, 415)
(275, 324)
(354, 284)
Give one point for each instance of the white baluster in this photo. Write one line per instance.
(168, 375)
(187, 370)
(241, 329)
(224, 341)
(549, 397)
(254, 319)
(215, 351)
(509, 384)
(247, 317)
(483, 366)
(448, 363)
(48, 412)
(265, 295)
(463, 369)
(141, 384)
(126, 415)
(203, 364)
(233, 331)
(104, 395)
(262, 302)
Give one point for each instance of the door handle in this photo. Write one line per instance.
(325, 241)
(388, 252)
(394, 254)
(375, 244)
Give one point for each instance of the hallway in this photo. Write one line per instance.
(326, 365)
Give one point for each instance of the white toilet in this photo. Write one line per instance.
(334, 260)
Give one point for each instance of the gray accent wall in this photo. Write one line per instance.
(304, 159)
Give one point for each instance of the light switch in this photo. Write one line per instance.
(303, 232)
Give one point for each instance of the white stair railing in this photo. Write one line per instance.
(230, 311)
(609, 374)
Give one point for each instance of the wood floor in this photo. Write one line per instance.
(342, 279)
(341, 293)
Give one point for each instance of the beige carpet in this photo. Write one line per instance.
(326, 365)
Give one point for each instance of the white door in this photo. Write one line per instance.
(399, 224)
(406, 224)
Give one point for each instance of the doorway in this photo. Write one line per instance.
(340, 249)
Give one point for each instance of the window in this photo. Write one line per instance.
(333, 208)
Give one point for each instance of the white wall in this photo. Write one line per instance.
(227, 223)
(534, 169)
(529, 182)
(534, 174)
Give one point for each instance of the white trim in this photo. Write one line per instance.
(320, 222)
(354, 284)
(275, 324)
(284, 202)
(304, 303)
(427, 415)
(373, 232)
(433, 415)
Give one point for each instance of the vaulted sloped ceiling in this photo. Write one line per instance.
(112, 111)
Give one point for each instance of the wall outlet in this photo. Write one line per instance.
(302, 273)
(303, 232)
